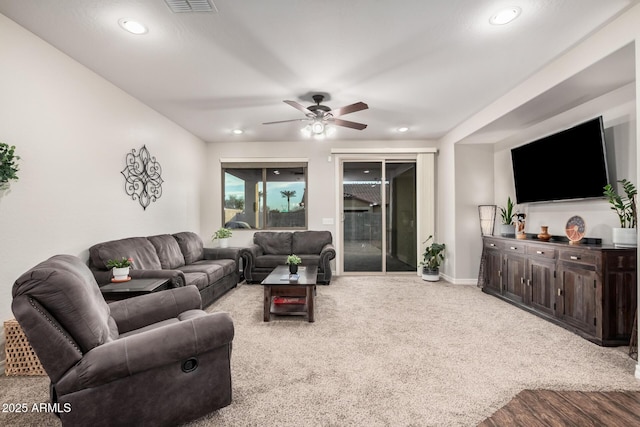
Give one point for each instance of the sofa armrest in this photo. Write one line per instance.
(137, 312)
(148, 350)
(327, 253)
(249, 255)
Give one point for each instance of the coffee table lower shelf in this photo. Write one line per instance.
(288, 309)
(279, 285)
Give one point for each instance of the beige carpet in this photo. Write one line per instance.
(387, 351)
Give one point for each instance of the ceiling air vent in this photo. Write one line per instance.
(180, 6)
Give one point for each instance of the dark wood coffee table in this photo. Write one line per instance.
(286, 297)
(132, 288)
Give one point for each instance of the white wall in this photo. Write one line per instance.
(72, 130)
(620, 115)
(474, 166)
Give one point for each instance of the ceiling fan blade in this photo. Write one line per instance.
(348, 124)
(285, 121)
(358, 106)
(300, 107)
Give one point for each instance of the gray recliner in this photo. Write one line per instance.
(154, 360)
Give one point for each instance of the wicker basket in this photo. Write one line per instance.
(21, 359)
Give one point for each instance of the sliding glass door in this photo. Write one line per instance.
(379, 216)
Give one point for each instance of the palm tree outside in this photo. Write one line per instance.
(288, 194)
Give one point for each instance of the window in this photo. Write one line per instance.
(264, 196)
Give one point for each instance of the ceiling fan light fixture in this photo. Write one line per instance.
(505, 16)
(317, 128)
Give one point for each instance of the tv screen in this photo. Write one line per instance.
(567, 165)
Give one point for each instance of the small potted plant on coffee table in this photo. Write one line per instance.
(293, 261)
(223, 235)
(432, 257)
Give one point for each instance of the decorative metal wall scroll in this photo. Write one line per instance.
(142, 177)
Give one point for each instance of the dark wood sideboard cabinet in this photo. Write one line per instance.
(588, 289)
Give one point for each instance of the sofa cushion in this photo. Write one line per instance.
(168, 251)
(214, 272)
(197, 279)
(139, 248)
(274, 242)
(310, 242)
(270, 261)
(229, 266)
(191, 246)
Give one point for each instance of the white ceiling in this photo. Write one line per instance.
(425, 64)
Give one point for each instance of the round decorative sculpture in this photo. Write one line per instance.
(575, 229)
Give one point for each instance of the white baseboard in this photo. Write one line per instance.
(449, 279)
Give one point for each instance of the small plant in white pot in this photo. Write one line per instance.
(432, 257)
(625, 235)
(120, 268)
(507, 228)
(223, 235)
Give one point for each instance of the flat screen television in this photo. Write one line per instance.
(568, 165)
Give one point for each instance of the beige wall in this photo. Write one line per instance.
(321, 194)
(73, 130)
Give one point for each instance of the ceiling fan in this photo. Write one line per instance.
(320, 115)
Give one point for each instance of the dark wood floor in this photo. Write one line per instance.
(534, 408)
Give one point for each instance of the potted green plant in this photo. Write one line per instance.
(293, 260)
(223, 235)
(432, 257)
(508, 228)
(120, 268)
(625, 207)
(8, 165)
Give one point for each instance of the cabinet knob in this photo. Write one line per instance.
(512, 248)
(540, 252)
(574, 257)
(492, 244)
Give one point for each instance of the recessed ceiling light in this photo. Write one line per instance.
(403, 129)
(505, 16)
(237, 131)
(132, 26)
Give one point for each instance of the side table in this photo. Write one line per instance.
(132, 288)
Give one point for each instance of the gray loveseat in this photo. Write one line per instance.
(271, 248)
(181, 258)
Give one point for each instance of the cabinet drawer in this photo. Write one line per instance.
(492, 244)
(579, 256)
(541, 251)
(514, 247)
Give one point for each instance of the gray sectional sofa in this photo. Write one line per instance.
(271, 248)
(181, 258)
